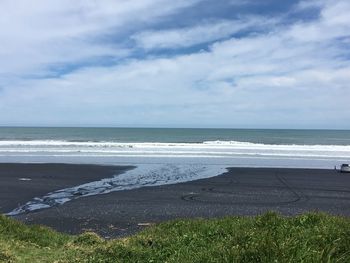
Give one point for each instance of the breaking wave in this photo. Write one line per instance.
(206, 149)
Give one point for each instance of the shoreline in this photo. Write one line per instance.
(239, 191)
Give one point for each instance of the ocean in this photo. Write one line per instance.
(166, 156)
(237, 147)
(177, 135)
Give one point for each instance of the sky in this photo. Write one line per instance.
(184, 63)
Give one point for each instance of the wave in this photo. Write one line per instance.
(207, 149)
(217, 143)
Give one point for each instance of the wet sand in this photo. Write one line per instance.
(20, 183)
(240, 191)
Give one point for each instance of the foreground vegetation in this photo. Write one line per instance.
(312, 237)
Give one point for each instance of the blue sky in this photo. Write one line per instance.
(185, 63)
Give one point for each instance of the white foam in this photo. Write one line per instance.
(210, 148)
(62, 143)
(142, 176)
(24, 179)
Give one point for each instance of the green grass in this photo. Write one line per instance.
(313, 237)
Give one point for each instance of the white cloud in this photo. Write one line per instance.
(283, 78)
(303, 5)
(205, 32)
(334, 22)
(39, 33)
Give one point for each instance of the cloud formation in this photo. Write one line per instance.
(128, 63)
(206, 32)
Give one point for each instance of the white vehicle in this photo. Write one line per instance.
(345, 168)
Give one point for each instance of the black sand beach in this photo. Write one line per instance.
(19, 183)
(240, 191)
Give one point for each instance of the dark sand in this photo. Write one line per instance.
(241, 191)
(45, 178)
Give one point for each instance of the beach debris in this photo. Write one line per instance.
(113, 227)
(145, 224)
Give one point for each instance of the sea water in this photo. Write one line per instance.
(237, 147)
